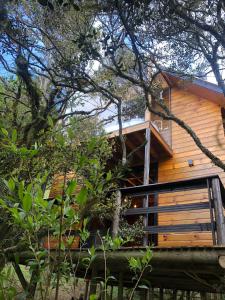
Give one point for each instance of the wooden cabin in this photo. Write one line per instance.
(170, 156)
(175, 157)
(179, 192)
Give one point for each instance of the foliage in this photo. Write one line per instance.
(139, 266)
(134, 231)
(27, 209)
(8, 289)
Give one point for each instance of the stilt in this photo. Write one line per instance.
(151, 293)
(148, 295)
(161, 294)
(219, 214)
(86, 293)
(111, 292)
(203, 295)
(120, 287)
(188, 295)
(174, 295)
(93, 284)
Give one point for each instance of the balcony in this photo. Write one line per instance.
(183, 267)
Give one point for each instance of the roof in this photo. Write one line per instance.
(199, 87)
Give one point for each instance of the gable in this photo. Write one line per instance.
(198, 87)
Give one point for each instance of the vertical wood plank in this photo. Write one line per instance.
(211, 206)
(219, 215)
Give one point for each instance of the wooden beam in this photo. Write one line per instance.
(219, 215)
(130, 129)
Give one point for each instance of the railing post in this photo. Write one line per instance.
(219, 215)
(116, 217)
(146, 177)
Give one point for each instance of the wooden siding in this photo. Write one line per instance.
(204, 117)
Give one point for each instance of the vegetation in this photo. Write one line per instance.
(56, 56)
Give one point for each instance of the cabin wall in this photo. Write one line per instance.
(204, 117)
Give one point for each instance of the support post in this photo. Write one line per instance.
(219, 215)
(148, 295)
(120, 287)
(93, 284)
(203, 295)
(86, 294)
(116, 217)
(111, 292)
(146, 176)
(174, 297)
(188, 295)
(161, 294)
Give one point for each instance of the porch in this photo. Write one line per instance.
(184, 268)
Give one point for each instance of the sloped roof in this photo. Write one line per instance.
(199, 87)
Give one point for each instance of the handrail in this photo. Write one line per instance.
(215, 204)
(172, 186)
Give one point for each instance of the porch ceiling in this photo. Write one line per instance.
(135, 137)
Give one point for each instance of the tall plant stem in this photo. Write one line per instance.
(60, 237)
(136, 285)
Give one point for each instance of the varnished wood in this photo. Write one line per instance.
(219, 212)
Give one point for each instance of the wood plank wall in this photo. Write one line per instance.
(204, 117)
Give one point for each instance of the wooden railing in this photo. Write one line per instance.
(215, 204)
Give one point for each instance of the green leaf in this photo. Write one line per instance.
(109, 176)
(10, 184)
(71, 187)
(91, 251)
(14, 135)
(62, 246)
(88, 184)
(27, 202)
(21, 189)
(93, 297)
(61, 140)
(50, 121)
(4, 131)
(70, 241)
(82, 196)
(85, 222)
